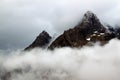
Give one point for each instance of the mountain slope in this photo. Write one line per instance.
(89, 30)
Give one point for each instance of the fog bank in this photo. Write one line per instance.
(88, 63)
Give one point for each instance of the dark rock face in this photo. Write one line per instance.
(89, 30)
(41, 41)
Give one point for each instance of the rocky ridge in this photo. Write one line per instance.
(87, 32)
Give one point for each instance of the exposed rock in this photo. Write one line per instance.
(89, 30)
(41, 41)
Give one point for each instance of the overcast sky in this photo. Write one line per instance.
(22, 20)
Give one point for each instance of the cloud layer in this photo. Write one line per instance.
(22, 20)
(88, 63)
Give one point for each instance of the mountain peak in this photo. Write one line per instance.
(43, 33)
(41, 41)
(91, 23)
(89, 13)
(90, 17)
(89, 30)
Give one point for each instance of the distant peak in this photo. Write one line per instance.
(43, 33)
(89, 13)
(41, 41)
(89, 16)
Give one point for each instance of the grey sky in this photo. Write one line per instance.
(22, 20)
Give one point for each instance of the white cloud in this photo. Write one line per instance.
(88, 63)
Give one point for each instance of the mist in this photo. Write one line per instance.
(87, 63)
(22, 20)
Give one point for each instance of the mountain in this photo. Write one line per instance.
(88, 31)
(41, 41)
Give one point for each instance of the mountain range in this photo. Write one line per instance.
(89, 31)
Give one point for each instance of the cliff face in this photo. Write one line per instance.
(88, 31)
(41, 41)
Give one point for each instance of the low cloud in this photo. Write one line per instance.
(88, 63)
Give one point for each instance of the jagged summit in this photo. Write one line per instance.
(43, 33)
(91, 23)
(41, 41)
(89, 14)
(89, 17)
